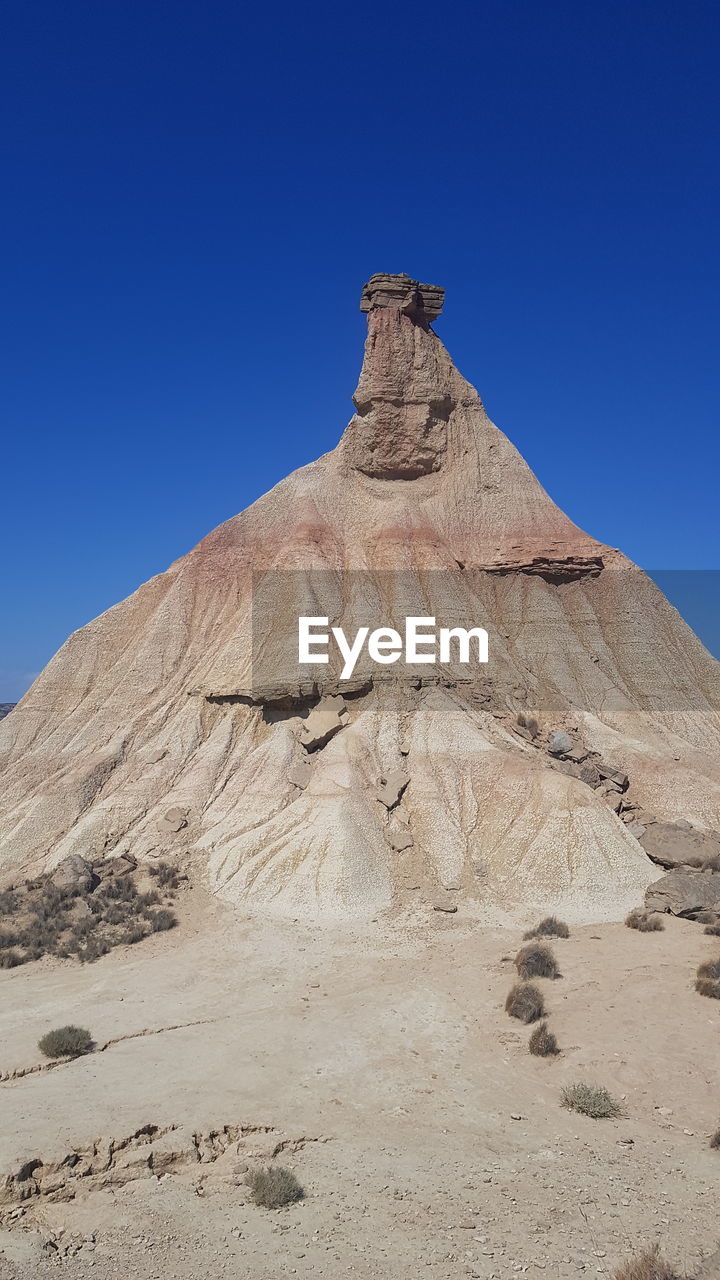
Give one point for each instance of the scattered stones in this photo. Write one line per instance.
(446, 905)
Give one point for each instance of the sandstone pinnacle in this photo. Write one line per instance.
(184, 699)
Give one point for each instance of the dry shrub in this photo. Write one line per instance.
(708, 987)
(536, 961)
(710, 969)
(712, 863)
(525, 1001)
(273, 1187)
(10, 960)
(550, 927)
(648, 1265)
(66, 1042)
(644, 922)
(590, 1100)
(543, 1043)
(705, 917)
(713, 930)
(160, 921)
(715, 1140)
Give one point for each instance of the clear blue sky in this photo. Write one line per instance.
(195, 192)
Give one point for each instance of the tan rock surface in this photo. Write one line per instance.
(157, 706)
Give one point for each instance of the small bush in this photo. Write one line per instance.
(712, 863)
(715, 1140)
(710, 969)
(536, 961)
(8, 902)
(550, 927)
(647, 1266)
(713, 930)
(591, 1101)
(705, 917)
(10, 960)
(644, 922)
(8, 940)
(160, 921)
(119, 889)
(525, 1002)
(542, 1042)
(135, 933)
(708, 987)
(274, 1186)
(165, 874)
(150, 899)
(65, 1042)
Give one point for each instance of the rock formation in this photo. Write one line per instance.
(178, 722)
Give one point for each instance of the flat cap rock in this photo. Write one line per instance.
(410, 296)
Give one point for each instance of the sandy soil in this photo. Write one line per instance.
(429, 1141)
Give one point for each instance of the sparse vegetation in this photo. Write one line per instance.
(162, 920)
(536, 961)
(525, 1001)
(591, 1100)
(550, 927)
(542, 1042)
(114, 905)
(644, 922)
(66, 1042)
(273, 1187)
(715, 1140)
(648, 1265)
(713, 930)
(165, 874)
(707, 981)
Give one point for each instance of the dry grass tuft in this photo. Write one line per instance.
(715, 1140)
(708, 987)
(647, 1266)
(273, 1187)
(543, 1043)
(536, 961)
(550, 927)
(525, 1002)
(66, 1042)
(591, 1100)
(644, 922)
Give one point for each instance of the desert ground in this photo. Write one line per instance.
(379, 1065)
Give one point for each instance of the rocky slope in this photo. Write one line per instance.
(178, 721)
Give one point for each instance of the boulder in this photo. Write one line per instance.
(323, 722)
(391, 788)
(300, 773)
(559, 743)
(399, 837)
(676, 844)
(73, 873)
(684, 892)
(173, 820)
